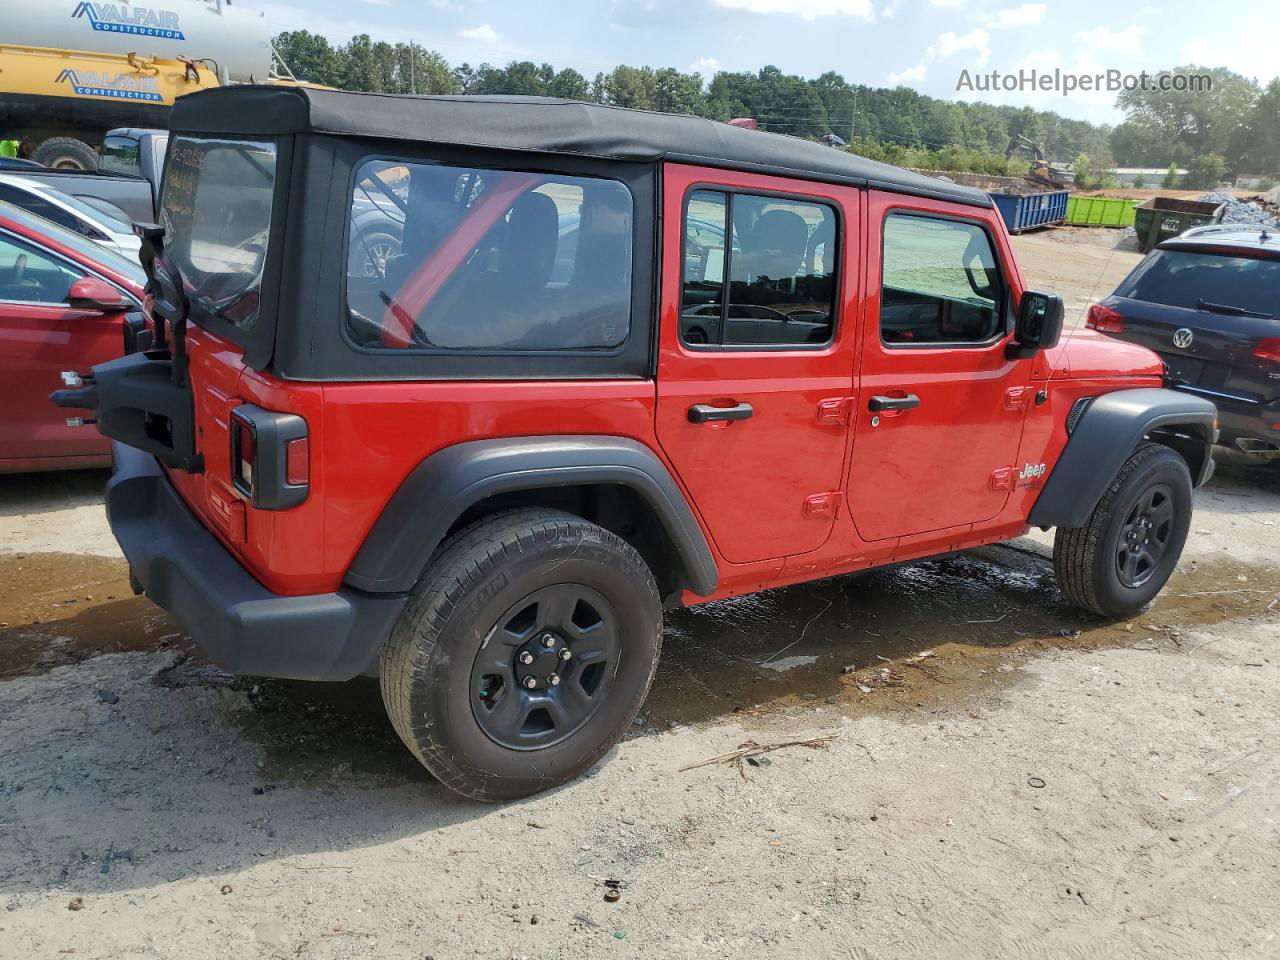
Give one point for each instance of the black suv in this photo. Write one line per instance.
(1208, 301)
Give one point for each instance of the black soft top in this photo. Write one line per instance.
(543, 125)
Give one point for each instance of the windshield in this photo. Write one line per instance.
(216, 212)
(83, 246)
(1183, 278)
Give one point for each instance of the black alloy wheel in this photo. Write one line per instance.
(545, 667)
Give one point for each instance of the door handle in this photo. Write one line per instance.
(881, 404)
(706, 413)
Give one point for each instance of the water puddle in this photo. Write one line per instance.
(57, 609)
(894, 639)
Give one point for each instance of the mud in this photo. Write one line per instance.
(63, 608)
(903, 641)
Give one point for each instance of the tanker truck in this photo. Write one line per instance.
(70, 70)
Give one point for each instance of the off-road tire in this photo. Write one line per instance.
(1084, 558)
(66, 153)
(480, 572)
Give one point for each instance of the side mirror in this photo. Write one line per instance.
(1039, 326)
(90, 293)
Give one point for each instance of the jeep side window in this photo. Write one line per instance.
(455, 258)
(941, 283)
(773, 283)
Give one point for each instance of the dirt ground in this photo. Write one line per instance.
(1008, 777)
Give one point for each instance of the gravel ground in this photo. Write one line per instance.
(1007, 776)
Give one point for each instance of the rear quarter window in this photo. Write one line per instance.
(1183, 278)
(216, 212)
(472, 259)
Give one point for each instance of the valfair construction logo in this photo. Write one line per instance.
(139, 21)
(122, 86)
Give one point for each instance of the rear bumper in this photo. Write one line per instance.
(1248, 421)
(238, 623)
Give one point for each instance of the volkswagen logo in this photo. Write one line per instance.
(1182, 338)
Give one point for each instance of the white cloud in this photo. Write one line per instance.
(890, 8)
(1128, 40)
(909, 76)
(949, 3)
(707, 66)
(805, 9)
(976, 41)
(1024, 16)
(483, 33)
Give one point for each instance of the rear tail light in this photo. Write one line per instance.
(270, 457)
(1268, 350)
(1104, 319)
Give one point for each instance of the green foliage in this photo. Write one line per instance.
(1084, 172)
(1139, 181)
(1266, 185)
(1205, 172)
(1235, 119)
(1170, 181)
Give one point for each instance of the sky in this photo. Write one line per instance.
(923, 44)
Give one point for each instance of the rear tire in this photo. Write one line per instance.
(1125, 553)
(66, 153)
(454, 676)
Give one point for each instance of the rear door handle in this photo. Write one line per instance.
(880, 404)
(706, 413)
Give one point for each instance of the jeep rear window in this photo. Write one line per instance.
(1182, 278)
(463, 258)
(940, 283)
(216, 212)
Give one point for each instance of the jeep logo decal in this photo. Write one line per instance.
(123, 86)
(1182, 338)
(119, 18)
(1032, 472)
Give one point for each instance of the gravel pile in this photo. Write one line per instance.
(1242, 211)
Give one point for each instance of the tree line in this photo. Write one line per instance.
(1236, 125)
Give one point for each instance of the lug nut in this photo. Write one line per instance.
(548, 640)
(530, 682)
(554, 679)
(526, 657)
(565, 654)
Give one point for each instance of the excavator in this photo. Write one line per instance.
(1042, 170)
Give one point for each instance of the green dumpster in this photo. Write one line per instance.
(1163, 217)
(1100, 212)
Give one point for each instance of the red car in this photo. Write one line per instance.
(619, 361)
(62, 302)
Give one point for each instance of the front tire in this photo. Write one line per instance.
(1125, 553)
(524, 653)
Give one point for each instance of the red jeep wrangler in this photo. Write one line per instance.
(464, 391)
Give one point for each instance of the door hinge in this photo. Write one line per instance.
(822, 505)
(834, 411)
(1018, 398)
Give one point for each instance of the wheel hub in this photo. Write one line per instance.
(539, 661)
(1145, 536)
(546, 666)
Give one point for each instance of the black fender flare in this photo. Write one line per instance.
(444, 485)
(1106, 435)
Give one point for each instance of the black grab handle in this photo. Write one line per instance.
(880, 404)
(705, 413)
